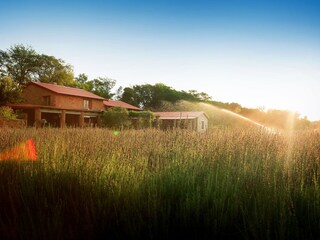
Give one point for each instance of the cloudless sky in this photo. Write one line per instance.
(256, 53)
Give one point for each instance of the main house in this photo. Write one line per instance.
(61, 106)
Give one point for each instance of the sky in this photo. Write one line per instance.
(261, 53)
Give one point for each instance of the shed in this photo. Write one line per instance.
(197, 121)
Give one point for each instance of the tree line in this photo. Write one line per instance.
(21, 64)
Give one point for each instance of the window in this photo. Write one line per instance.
(86, 104)
(202, 125)
(46, 100)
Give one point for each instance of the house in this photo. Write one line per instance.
(197, 121)
(59, 106)
(116, 103)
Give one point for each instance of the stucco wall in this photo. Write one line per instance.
(72, 102)
(34, 95)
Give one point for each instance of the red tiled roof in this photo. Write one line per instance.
(114, 103)
(178, 115)
(67, 90)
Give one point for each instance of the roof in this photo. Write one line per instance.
(115, 103)
(67, 90)
(179, 115)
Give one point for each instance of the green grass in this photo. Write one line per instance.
(91, 184)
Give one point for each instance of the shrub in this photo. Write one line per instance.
(142, 119)
(116, 118)
(7, 113)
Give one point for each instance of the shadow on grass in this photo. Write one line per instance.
(37, 203)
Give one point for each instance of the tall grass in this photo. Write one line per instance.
(91, 184)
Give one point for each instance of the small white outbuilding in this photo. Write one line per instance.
(197, 121)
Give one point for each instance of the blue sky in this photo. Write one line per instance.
(256, 53)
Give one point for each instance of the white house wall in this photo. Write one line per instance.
(199, 120)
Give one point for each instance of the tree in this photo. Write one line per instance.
(81, 81)
(139, 95)
(129, 96)
(235, 107)
(194, 93)
(204, 97)
(19, 63)
(151, 97)
(50, 69)
(23, 65)
(161, 92)
(118, 93)
(10, 92)
(102, 86)
(187, 96)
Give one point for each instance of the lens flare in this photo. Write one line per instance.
(22, 152)
(290, 134)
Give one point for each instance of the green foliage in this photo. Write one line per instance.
(10, 92)
(19, 63)
(141, 114)
(23, 64)
(116, 118)
(129, 95)
(151, 97)
(195, 96)
(100, 86)
(82, 82)
(141, 119)
(53, 70)
(7, 113)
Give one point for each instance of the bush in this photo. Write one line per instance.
(10, 92)
(116, 118)
(141, 119)
(141, 114)
(7, 113)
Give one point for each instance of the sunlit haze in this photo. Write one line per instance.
(255, 53)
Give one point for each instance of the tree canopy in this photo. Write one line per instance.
(100, 86)
(151, 97)
(51, 69)
(10, 92)
(23, 64)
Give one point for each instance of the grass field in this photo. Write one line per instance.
(92, 183)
